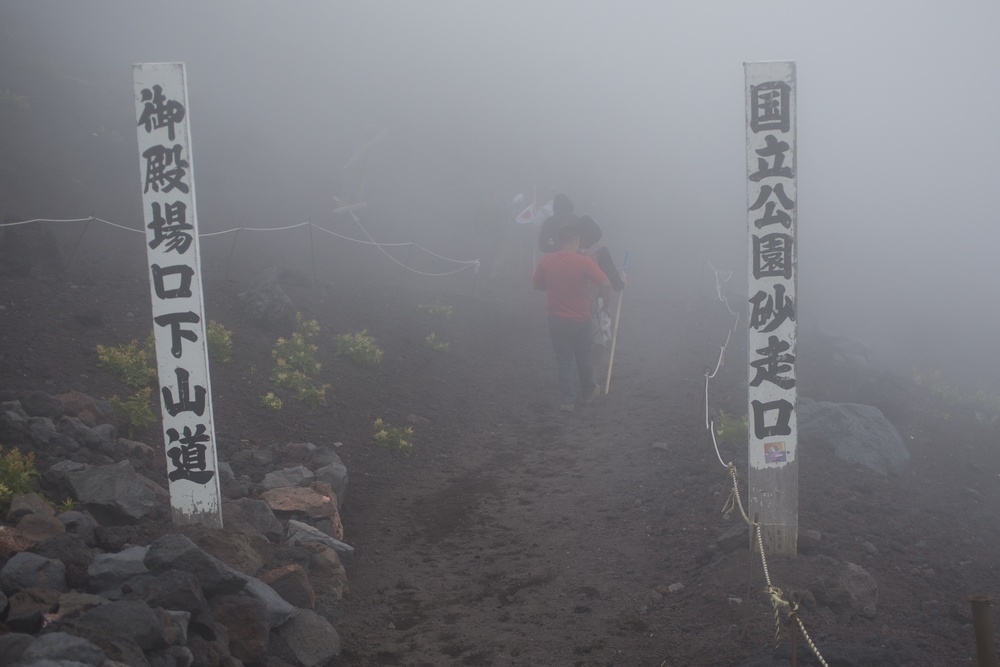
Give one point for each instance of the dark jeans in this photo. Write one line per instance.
(572, 339)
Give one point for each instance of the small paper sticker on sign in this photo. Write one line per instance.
(774, 452)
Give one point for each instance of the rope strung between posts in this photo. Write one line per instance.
(466, 263)
(709, 424)
(735, 500)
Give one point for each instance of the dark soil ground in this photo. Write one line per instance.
(514, 534)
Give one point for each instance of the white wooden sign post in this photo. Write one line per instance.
(171, 222)
(772, 266)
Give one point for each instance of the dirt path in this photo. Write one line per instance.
(537, 537)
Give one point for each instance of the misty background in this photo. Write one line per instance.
(633, 109)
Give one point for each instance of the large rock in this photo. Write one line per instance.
(245, 619)
(108, 572)
(14, 423)
(132, 619)
(277, 610)
(256, 513)
(61, 646)
(113, 492)
(291, 582)
(266, 303)
(27, 570)
(334, 473)
(311, 638)
(40, 404)
(176, 590)
(861, 588)
(316, 502)
(294, 476)
(302, 534)
(179, 552)
(858, 433)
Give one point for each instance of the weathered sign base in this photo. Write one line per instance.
(776, 508)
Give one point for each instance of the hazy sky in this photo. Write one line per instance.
(635, 109)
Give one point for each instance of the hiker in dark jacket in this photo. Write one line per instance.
(562, 214)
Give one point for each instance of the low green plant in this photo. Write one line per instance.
(435, 343)
(298, 353)
(360, 347)
(17, 472)
(436, 308)
(731, 429)
(220, 342)
(135, 365)
(135, 410)
(393, 437)
(67, 505)
(985, 405)
(296, 365)
(271, 402)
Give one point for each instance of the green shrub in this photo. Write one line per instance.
(433, 342)
(392, 437)
(360, 347)
(135, 410)
(17, 472)
(134, 365)
(298, 353)
(296, 365)
(220, 342)
(436, 308)
(730, 429)
(271, 402)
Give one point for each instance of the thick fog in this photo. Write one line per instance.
(633, 109)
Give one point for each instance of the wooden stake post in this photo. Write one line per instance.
(771, 328)
(171, 221)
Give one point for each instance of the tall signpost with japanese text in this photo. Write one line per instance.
(772, 266)
(171, 223)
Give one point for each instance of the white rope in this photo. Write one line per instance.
(24, 222)
(457, 261)
(372, 242)
(348, 238)
(422, 273)
(711, 429)
(709, 424)
(718, 287)
(113, 224)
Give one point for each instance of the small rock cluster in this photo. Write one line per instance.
(111, 581)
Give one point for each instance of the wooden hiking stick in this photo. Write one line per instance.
(614, 331)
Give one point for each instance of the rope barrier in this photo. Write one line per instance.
(777, 598)
(466, 263)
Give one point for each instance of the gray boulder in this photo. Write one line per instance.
(27, 570)
(13, 422)
(294, 476)
(179, 552)
(335, 474)
(311, 638)
(61, 646)
(40, 404)
(77, 430)
(302, 534)
(113, 492)
(258, 514)
(109, 571)
(858, 433)
(276, 609)
(266, 303)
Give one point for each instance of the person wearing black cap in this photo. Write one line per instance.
(566, 276)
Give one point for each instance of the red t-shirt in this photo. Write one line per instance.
(565, 276)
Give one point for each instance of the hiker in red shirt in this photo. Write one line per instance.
(566, 276)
